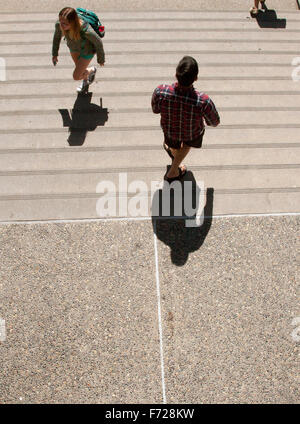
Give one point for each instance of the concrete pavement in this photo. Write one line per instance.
(82, 325)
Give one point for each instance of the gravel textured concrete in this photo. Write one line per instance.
(79, 303)
(228, 312)
(80, 306)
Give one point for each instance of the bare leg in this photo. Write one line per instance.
(75, 57)
(81, 71)
(179, 155)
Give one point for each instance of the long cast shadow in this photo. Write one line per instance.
(268, 18)
(85, 116)
(182, 234)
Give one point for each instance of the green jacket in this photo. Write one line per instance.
(89, 43)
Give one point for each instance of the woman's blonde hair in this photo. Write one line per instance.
(71, 16)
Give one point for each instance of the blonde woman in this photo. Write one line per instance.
(83, 43)
(254, 10)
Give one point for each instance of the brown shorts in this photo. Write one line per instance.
(197, 143)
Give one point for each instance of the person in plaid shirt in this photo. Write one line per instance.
(183, 111)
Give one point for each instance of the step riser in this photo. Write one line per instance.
(154, 138)
(143, 102)
(162, 46)
(28, 185)
(83, 208)
(115, 120)
(106, 160)
(171, 35)
(118, 26)
(68, 86)
(157, 73)
(169, 14)
(170, 59)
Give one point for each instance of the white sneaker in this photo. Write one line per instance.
(92, 75)
(83, 86)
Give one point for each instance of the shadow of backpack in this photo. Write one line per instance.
(92, 19)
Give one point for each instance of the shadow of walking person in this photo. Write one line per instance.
(267, 18)
(183, 233)
(85, 116)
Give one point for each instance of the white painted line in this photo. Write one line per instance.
(2, 330)
(296, 332)
(159, 318)
(142, 218)
(2, 69)
(71, 221)
(246, 215)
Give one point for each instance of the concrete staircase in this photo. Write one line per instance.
(251, 160)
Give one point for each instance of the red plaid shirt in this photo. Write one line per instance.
(183, 111)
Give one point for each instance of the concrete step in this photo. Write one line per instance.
(283, 72)
(223, 102)
(100, 87)
(126, 47)
(159, 15)
(104, 160)
(140, 139)
(172, 35)
(252, 59)
(35, 120)
(33, 184)
(113, 26)
(82, 208)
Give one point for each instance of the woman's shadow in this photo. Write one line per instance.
(182, 232)
(85, 116)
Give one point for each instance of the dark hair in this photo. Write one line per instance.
(187, 71)
(68, 13)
